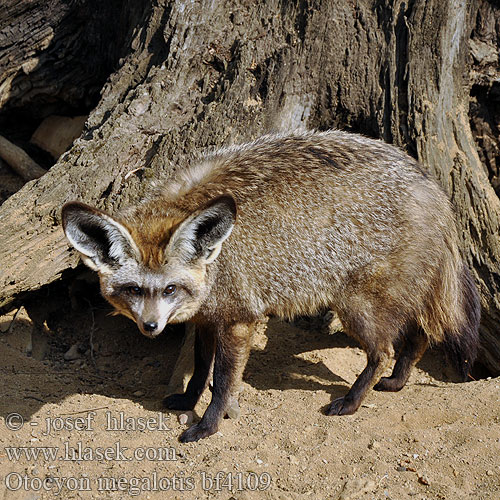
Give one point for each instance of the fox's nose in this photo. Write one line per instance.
(150, 326)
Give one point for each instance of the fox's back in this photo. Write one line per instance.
(313, 210)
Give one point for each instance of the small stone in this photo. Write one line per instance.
(490, 473)
(185, 418)
(293, 460)
(400, 468)
(138, 394)
(259, 461)
(423, 480)
(72, 353)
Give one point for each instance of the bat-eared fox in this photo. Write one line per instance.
(289, 225)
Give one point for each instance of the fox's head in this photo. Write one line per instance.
(157, 278)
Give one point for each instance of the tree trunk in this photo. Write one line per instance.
(207, 73)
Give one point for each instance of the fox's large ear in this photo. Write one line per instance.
(102, 241)
(201, 235)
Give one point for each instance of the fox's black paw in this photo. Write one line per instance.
(341, 406)
(179, 402)
(196, 432)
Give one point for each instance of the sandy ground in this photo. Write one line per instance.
(433, 440)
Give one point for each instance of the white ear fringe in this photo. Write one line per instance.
(117, 235)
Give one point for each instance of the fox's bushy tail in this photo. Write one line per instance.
(452, 311)
(461, 343)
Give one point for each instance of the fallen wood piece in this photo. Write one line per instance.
(19, 160)
(56, 133)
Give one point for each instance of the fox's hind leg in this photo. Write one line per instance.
(415, 344)
(376, 339)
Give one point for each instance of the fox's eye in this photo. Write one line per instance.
(170, 290)
(135, 290)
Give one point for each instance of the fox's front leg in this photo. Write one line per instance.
(231, 354)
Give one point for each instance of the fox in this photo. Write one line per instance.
(290, 224)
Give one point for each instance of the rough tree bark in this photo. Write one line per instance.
(199, 74)
(59, 52)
